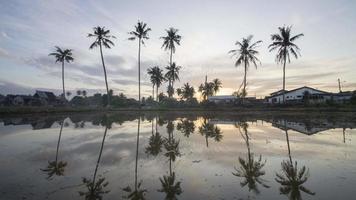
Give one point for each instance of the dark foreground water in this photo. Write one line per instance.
(178, 156)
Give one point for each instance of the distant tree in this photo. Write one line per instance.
(102, 38)
(79, 92)
(156, 78)
(206, 90)
(84, 93)
(140, 33)
(171, 76)
(186, 92)
(161, 96)
(68, 93)
(246, 54)
(217, 85)
(63, 56)
(284, 42)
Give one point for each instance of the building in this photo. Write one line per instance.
(48, 98)
(223, 99)
(299, 95)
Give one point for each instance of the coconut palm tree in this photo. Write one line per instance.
(186, 92)
(156, 77)
(140, 33)
(206, 89)
(96, 188)
(102, 38)
(217, 85)
(292, 178)
(170, 41)
(172, 75)
(63, 56)
(56, 167)
(150, 71)
(136, 193)
(246, 54)
(284, 43)
(250, 169)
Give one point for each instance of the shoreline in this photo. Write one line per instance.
(242, 110)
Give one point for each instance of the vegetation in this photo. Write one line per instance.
(63, 56)
(171, 76)
(157, 78)
(283, 42)
(102, 38)
(246, 54)
(140, 33)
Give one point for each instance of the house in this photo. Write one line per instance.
(299, 95)
(342, 97)
(222, 99)
(48, 98)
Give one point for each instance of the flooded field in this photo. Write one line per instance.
(177, 156)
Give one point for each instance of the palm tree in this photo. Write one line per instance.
(206, 89)
(172, 75)
(136, 193)
(217, 85)
(250, 168)
(96, 188)
(140, 33)
(186, 92)
(63, 56)
(102, 38)
(246, 54)
(56, 167)
(284, 42)
(170, 40)
(292, 178)
(156, 78)
(150, 71)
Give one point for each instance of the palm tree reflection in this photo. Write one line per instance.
(96, 188)
(56, 167)
(169, 185)
(136, 193)
(155, 142)
(210, 131)
(186, 126)
(291, 178)
(251, 168)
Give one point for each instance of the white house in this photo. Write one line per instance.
(297, 95)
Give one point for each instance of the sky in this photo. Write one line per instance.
(29, 30)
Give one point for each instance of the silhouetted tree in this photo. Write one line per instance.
(62, 56)
(102, 38)
(206, 90)
(246, 54)
(171, 76)
(284, 43)
(186, 126)
(140, 33)
(217, 85)
(186, 92)
(156, 78)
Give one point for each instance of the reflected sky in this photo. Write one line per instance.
(202, 171)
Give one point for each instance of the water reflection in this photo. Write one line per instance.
(292, 178)
(155, 143)
(56, 167)
(186, 126)
(96, 188)
(250, 168)
(209, 130)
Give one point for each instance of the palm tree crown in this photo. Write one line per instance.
(102, 37)
(65, 55)
(284, 43)
(140, 32)
(171, 39)
(217, 85)
(246, 52)
(156, 76)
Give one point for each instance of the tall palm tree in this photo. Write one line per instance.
(251, 168)
(170, 41)
(96, 188)
(172, 75)
(56, 167)
(63, 56)
(284, 42)
(206, 89)
(292, 178)
(140, 33)
(246, 54)
(217, 85)
(150, 71)
(102, 38)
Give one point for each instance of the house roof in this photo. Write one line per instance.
(222, 97)
(286, 92)
(45, 94)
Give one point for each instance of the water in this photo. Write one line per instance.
(178, 156)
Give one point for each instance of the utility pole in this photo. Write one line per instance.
(339, 85)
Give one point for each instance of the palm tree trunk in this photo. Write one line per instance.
(244, 90)
(137, 143)
(101, 151)
(64, 91)
(139, 72)
(170, 64)
(284, 78)
(153, 92)
(157, 93)
(106, 80)
(287, 138)
(59, 140)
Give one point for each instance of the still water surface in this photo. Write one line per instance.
(177, 156)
